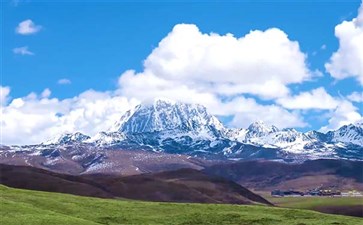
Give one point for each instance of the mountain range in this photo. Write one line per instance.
(165, 126)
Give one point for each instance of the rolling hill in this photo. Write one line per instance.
(184, 185)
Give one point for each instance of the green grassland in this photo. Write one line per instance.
(313, 202)
(35, 207)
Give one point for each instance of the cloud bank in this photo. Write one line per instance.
(36, 118)
(347, 61)
(261, 63)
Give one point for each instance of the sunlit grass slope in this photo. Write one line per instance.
(34, 207)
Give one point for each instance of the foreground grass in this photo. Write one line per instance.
(34, 207)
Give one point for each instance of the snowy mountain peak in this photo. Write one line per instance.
(107, 138)
(67, 138)
(292, 130)
(350, 134)
(316, 136)
(259, 128)
(166, 115)
(162, 101)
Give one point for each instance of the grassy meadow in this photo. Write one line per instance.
(352, 206)
(35, 207)
(312, 202)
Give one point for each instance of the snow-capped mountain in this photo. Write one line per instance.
(347, 134)
(67, 138)
(316, 135)
(288, 139)
(107, 138)
(263, 135)
(259, 129)
(174, 127)
(168, 116)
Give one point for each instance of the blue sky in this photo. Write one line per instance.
(92, 44)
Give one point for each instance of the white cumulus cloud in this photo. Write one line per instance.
(27, 27)
(314, 99)
(224, 64)
(46, 93)
(35, 118)
(247, 110)
(347, 61)
(346, 113)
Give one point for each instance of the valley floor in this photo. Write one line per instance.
(34, 207)
(352, 206)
